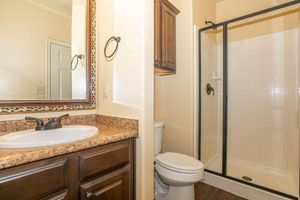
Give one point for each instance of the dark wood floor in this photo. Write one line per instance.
(207, 192)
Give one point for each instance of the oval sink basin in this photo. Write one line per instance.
(32, 138)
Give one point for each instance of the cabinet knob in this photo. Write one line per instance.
(90, 196)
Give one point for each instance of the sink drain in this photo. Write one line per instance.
(247, 178)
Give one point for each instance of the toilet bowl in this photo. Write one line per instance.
(175, 173)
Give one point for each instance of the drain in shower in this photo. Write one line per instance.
(247, 178)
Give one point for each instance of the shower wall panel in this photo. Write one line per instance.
(263, 99)
(263, 107)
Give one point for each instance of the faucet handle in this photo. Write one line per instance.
(54, 123)
(60, 118)
(39, 123)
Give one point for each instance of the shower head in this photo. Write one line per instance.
(210, 23)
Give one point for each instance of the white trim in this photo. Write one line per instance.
(196, 90)
(48, 56)
(240, 189)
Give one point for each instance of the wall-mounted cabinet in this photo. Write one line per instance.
(165, 37)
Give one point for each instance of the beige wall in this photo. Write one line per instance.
(273, 22)
(229, 9)
(174, 94)
(125, 84)
(25, 28)
(119, 92)
(204, 10)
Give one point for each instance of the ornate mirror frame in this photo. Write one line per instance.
(21, 106)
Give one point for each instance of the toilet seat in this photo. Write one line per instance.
(179, 163)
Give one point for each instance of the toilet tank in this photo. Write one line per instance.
(158, 134)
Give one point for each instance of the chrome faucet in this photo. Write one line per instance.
(53, 123)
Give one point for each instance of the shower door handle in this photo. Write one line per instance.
(210, 89)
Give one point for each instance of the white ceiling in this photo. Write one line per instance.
(61, 6)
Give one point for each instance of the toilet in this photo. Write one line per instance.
(175, 173)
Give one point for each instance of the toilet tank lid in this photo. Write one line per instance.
(179, 161)
(158, 124)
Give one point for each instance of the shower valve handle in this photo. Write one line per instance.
(210, 89)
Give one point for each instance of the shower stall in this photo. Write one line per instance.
(249, 99)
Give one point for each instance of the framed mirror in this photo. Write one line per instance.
(47, 55)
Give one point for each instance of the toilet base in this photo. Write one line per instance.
(178, 193)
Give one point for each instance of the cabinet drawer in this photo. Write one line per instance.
(113, 186)
(63, 195)
(34, 182)
(101, 160)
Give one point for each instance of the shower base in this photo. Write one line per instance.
(272, 178)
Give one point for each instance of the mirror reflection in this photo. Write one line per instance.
(43, 49)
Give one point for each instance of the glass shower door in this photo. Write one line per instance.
(211, 99)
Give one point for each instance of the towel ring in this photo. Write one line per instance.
(117, 40)
(77, 60)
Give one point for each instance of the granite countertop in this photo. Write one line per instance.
(109, 133)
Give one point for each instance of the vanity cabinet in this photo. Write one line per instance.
(104, 173)
(165, 37)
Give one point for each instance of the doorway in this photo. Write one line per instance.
(59, 74)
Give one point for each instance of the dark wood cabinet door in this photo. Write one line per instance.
(168, 18)
(157, 33)
(113, 186)
(165, 37)
(33, 181)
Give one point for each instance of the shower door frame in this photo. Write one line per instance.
(224, 25)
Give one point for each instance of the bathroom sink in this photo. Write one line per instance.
(32, 138)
